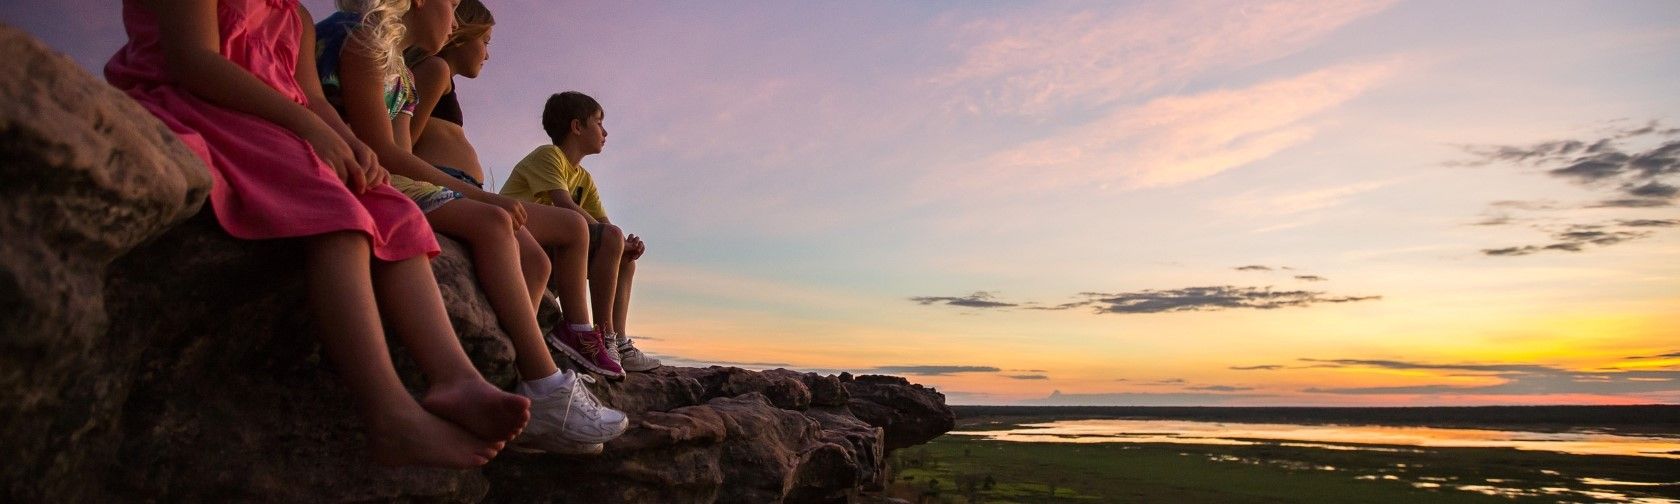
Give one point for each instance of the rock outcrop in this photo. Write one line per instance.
(147, 356)
(87, 176)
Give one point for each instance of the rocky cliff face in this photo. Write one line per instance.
(146, 355)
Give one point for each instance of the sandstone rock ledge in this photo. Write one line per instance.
(147, 356)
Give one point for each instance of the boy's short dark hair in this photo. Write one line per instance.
(562, 109)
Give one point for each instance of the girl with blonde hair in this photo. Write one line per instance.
(380, 102)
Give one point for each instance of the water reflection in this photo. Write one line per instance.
(1335, 437)
(1379, 439)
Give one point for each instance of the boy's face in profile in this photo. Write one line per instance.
(591, 133)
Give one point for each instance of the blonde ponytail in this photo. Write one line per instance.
(382, 30)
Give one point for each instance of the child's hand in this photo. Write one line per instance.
(336, 153)
(374, 173)
(513, 207)
(634, 248)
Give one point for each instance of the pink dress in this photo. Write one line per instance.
(267, 181)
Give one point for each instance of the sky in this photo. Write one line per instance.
(1128, 203)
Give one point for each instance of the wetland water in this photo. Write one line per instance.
(1333, 437)
(1581, 466)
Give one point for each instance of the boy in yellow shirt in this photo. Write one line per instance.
(552, 175)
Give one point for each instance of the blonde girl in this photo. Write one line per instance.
(363, 71)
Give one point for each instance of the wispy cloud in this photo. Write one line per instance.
(920, 370)
(1516, 379)
(678, 360)
(1641, 177)
(1649, 223)
(1296, 200)
(1264, 268)
(1494, 220)
(1027, 377)
(1213, 298)
(1209, 299)
(1052, 60)
(1261, 367)
(1394, 364)
(1635, 178)
(1219, 388)
(1577, 237)
(1180, 139)
(981, 299)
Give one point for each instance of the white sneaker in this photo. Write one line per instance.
(630, 358)
(612, 339)
(569, 420)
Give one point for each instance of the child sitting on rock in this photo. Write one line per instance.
(363, 67)
(552, 175)
(235, 80)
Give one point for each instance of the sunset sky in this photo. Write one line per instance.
(1151, 203)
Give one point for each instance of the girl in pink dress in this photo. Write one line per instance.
(235, 80)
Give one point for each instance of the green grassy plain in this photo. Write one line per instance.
(956, 468)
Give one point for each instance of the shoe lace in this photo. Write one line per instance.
(592, 342)
(578, 391)
(581, 392)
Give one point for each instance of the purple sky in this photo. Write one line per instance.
(1015, 198)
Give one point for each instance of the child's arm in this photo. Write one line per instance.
(310, 81)
(431, 76)
(362, 81)
(399, 132)
(191, 43)
(564, 200)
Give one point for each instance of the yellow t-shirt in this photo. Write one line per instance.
(546, 169)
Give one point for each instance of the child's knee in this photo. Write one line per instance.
(533, 259)
(612, 234)
(612, 238)
(491, 214)
(486, 222)
(570, 224)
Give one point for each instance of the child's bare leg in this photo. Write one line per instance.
(488, 231)
(341, 300)
(621, 299)
(413, 308)
(603, 275)
(568, 234)
(533, 260)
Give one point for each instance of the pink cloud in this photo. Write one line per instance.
(1180, 139)
(1054, 60)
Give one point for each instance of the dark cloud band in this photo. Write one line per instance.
(1212, 298)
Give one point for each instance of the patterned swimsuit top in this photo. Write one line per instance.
(331, 35)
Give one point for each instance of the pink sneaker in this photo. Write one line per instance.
(586, 348)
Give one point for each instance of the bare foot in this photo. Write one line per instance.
(480, 407)
(423, 439)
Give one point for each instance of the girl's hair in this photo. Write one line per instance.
(472, 20)
(562, 109)
(381, 33)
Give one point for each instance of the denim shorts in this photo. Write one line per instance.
(459, 175)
